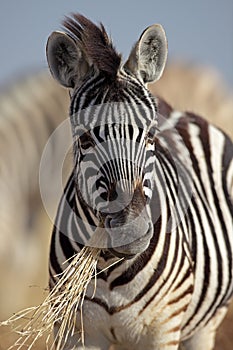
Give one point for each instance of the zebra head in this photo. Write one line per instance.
(114, 121)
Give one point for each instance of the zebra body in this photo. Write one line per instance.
(160, 181)
(30, 109)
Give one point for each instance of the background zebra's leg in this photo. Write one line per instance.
(205, 338)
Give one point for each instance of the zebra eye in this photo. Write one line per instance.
(86, 141)
(151, 134)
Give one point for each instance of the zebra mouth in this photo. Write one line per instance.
(129, 251)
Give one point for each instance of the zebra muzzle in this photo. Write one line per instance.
(129, 235)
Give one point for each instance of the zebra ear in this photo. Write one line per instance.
(148, 57)
(65, 59)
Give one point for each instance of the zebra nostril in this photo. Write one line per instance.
(108, 222)
(112, 222)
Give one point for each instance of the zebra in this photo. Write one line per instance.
(31, 107)
(157, 182)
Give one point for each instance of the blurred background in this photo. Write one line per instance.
(198, 77)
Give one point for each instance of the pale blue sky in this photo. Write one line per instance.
(200, 31)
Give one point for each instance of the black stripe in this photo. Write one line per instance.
(53, 258)
(182, 128)
(206, 268)
(204, 134)
(226, 161)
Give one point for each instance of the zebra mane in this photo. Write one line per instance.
(95, 43)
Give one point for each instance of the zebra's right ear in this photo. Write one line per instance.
(65, 59)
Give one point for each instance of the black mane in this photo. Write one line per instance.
(95, 42)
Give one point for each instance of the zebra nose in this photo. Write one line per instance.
(115, 220)
(123, 222)
(110, 222)
(128, 235)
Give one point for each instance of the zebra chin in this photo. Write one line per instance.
(129, 251)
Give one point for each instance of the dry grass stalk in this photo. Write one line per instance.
(60, 306)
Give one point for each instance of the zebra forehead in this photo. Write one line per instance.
(114, 113)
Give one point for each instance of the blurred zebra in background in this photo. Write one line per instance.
(30, 110)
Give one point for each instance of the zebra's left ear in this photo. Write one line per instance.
(148, 57)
